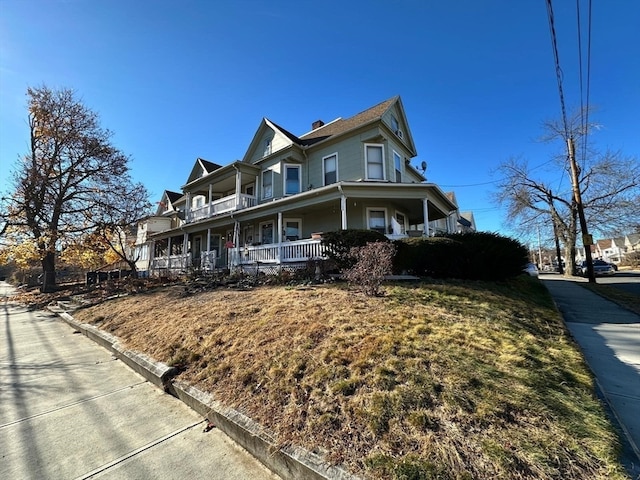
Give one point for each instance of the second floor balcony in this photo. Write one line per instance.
(222, 205)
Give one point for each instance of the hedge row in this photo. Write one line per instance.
(470, 256)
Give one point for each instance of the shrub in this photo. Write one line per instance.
(491, 256)
(372, 262)
(469, 256)
(435, 257)
(338, 244)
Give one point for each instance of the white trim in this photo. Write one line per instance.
(366, 161)
(377, 209)
(403, 225)
(262, 190)
(286, 166)
(324, 178)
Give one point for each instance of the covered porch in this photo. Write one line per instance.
(286, 231)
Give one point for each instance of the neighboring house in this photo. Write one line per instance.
(270, 207)
(144, 245)
(454, 222)
(632, 243)
(603, 249)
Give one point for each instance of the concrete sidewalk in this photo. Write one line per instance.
(609, 337)
(69, 409)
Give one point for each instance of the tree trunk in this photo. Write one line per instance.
(48, 273)
(134, 270)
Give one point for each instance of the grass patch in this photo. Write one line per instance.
(616, 295)
(439, 380)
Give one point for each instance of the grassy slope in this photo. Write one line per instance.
(455, 380)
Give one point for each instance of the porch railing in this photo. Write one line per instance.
(285, 252)
(222, 205)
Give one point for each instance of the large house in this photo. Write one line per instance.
(271, 207)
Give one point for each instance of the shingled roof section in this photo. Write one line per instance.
(210, 166)
(341, 125)
(173, 196)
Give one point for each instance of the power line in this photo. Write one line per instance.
(584, 107)
(556, 58)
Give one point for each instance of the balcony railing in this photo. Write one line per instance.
(222, 205)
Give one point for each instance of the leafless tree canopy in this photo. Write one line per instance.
(61, 183)
(609, 183)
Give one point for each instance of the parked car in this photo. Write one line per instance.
(531, 269)
(600, 267)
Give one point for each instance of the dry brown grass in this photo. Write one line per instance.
(443, 381)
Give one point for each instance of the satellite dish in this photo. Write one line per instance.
(423, 166)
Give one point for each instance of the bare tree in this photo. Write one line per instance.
(116, 221)
(609, 183)
(60, 183)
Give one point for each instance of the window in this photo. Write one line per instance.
(197, 201)
(377, 219)
(374, 155)
(292, 229)
(397, 161)
(249, 190)
(267, 147)
(266, 232)
(291, 179)
(267, 184)
(395, 126)
(330, 169)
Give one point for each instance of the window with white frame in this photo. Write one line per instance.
(291, 179)
(267, 184)
(266, 233)
(292, 229)
(374, 160)
(377, 219)
(267, 147)
(330, 169)
(397, 162)
(197, 201)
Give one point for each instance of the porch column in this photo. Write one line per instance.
(209, 211)
(208, 239)
(187, 210)
(343, 212)
(236, 242)
(185, 246)
(168, 248)
(425, 213)
(280, 237)
(238, 187)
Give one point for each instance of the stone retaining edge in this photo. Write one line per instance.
(290, 463)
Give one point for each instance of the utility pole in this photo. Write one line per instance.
(587, 240)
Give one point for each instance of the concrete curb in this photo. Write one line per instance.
(290, 463)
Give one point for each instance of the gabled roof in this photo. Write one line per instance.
(342, 125)
(167, 201)
(633, 238)
(264, 125)
(173, 196)
(200, 168)
(338, 127)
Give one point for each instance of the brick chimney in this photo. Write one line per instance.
(317, 124)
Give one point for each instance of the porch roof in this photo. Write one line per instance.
(439, 204)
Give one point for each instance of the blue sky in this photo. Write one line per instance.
(177, 80)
